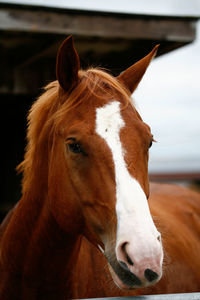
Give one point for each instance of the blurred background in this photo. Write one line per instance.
(168, 99)
(114, 35)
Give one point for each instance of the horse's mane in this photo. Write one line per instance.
(48, 111)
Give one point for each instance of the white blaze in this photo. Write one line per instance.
(133, 215)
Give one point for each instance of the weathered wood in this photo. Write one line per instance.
(175, 176)
(98, 25)
(114, 41)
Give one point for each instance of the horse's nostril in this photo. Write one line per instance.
(129, 260)
(150, 275)
(127, 257)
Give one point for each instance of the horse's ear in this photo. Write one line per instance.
(131, 77)
(68, 65)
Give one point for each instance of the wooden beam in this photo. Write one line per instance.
(174, 176)
(97, 25)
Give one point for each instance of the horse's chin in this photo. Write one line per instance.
(126, 280)
(118, 281)
(122, 277)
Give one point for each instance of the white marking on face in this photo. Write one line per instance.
(133, 215)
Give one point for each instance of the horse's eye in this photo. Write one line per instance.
(75, 147)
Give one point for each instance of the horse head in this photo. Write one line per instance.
(98, 171)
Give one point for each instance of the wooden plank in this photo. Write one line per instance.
(187, 296)
(174, 176)
(97, 25)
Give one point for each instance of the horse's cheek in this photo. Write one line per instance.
(64, 204)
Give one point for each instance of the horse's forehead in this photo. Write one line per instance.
(109, 116)
(105, 116)
(112, 116)
(109, 120)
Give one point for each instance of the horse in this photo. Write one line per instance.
(88, 223)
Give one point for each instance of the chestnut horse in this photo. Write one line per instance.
(84, 221)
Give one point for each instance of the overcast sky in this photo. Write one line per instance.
(168, 99)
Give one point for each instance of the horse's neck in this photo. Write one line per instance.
(37, 252)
